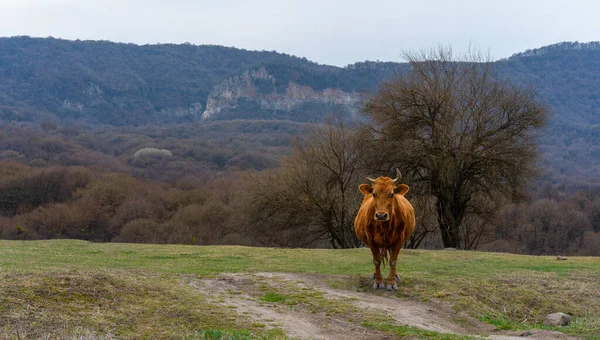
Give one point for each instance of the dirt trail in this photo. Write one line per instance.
(327, 313)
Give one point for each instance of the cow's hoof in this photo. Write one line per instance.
(392, 287)
(378, 285)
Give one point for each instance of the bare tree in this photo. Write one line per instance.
(313, 196)
(426, 223)
(459, 133)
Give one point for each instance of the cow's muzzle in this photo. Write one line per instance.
(381, 216)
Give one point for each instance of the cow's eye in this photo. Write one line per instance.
(391, 195)
(374, 195)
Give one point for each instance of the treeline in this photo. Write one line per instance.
(197, 151)
(557, 224)
(554, 223)
(154, 184)
(214, 186)
(76, 202)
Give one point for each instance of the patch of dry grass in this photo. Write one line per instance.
(519, 301)
(98, 304)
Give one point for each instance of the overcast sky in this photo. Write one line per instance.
(329, 32)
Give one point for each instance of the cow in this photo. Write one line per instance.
(384, 222)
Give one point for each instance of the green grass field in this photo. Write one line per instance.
(67, 288)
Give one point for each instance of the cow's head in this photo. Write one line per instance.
(383, 190)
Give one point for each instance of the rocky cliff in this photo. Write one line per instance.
(260, 87)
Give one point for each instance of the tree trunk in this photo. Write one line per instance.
(449, 218)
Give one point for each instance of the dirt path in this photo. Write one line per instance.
(306, 306)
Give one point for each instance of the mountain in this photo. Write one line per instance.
(127, 84)
(567, 78)
(106, 83)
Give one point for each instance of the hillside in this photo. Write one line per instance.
(127, 84)
(131, 291)
(567, 78)
(99, 82)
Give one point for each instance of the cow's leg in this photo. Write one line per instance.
(378, 283)
(391, 281)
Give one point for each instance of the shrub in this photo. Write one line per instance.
(141, 230)
(14, 229)
(80, 220)
(38, 163)
(111, 190)
(10, 154)
(23, 192)
(237, 239)
(49, 125)
(134, 209)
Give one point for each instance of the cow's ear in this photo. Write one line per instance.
(365, 189)
(401, 189)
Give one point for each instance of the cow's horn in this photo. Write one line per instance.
(372, 181)
(398, 176)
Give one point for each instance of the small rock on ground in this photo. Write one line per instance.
(557, 319)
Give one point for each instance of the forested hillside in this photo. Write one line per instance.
(126, 84)
(567, 78)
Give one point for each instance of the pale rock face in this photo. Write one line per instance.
(74, 106)
(195, 109)
(226, 94)
(93, 90)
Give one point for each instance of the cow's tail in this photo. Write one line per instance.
(383, 256)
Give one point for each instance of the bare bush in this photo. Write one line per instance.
(80, 220)
(200, 224)
(142, 230)
(111, 190)
(591, 244)
(27, 189)
(134, 209)
(313, 197)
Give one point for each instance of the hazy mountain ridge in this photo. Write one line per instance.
(123, 84)
(562, 46)
(126, 84)
(566, 77)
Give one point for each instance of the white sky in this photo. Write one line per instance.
(329, 32)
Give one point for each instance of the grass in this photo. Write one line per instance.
(311, 299)
(274, 297)
(72, 288)
(67, 303)
(406, 331)
(220, 334)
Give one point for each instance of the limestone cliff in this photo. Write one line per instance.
(262, 88)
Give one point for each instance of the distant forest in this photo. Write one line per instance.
(73, 115)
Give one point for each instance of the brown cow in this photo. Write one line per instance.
(384, 222)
